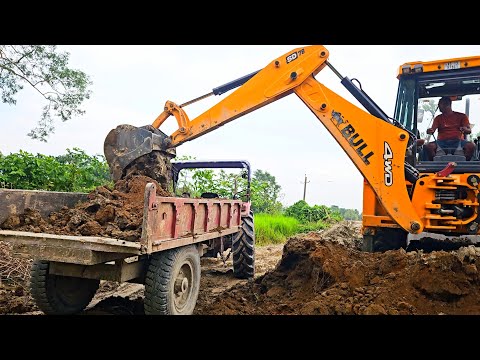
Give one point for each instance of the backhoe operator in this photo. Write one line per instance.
(452, 127)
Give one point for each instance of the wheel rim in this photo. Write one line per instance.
(182, 286)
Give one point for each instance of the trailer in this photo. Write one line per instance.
(176, 232)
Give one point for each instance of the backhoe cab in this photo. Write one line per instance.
(446, 196)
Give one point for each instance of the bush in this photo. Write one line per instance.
(312, 214)
(75, 171)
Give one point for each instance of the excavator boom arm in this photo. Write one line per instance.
(273, 82)
(376, 147)
(372, 142)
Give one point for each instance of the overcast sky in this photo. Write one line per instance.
(132, 83)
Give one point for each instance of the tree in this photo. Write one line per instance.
(351, 214)
(311, 214)
(265, 193)
(299, 211)
(347, 214)
(430, 107)
(46, 70)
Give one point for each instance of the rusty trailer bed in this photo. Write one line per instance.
(83, 250)
(168, 222)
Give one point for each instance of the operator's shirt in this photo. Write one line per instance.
(449, 125)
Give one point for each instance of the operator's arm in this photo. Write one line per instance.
(465, 128)
(434, 127)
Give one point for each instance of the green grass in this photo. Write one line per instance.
(313, 226)
(276, 229)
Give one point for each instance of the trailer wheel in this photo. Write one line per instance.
(243, 249)
(60, 295)
(172, 282)
(384, 240)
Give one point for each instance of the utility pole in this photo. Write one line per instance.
(305, 187)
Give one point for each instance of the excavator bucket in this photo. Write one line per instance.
(126, 143)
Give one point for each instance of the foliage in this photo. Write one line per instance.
(74, 171)
(265, 191)
(226, 185)
(46, 70)
(307, 214)
(198, 181)
(430, 107)
(313, 226)
(347, 214)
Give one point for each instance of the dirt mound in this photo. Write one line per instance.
(14, 282)
(319, 276)
(346, 233)
(15, 300)
(115, 213)
(318, 273)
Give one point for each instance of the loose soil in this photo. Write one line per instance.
(115, 213)
(318, 276)
(319, 273)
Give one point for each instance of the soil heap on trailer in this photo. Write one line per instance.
(115, 213)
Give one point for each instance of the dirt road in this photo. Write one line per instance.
(217, 277)
(317, 273)
(119, 299)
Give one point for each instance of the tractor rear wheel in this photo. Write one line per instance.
(172, 283)
(243, 249)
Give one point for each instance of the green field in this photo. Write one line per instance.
(276, 229)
